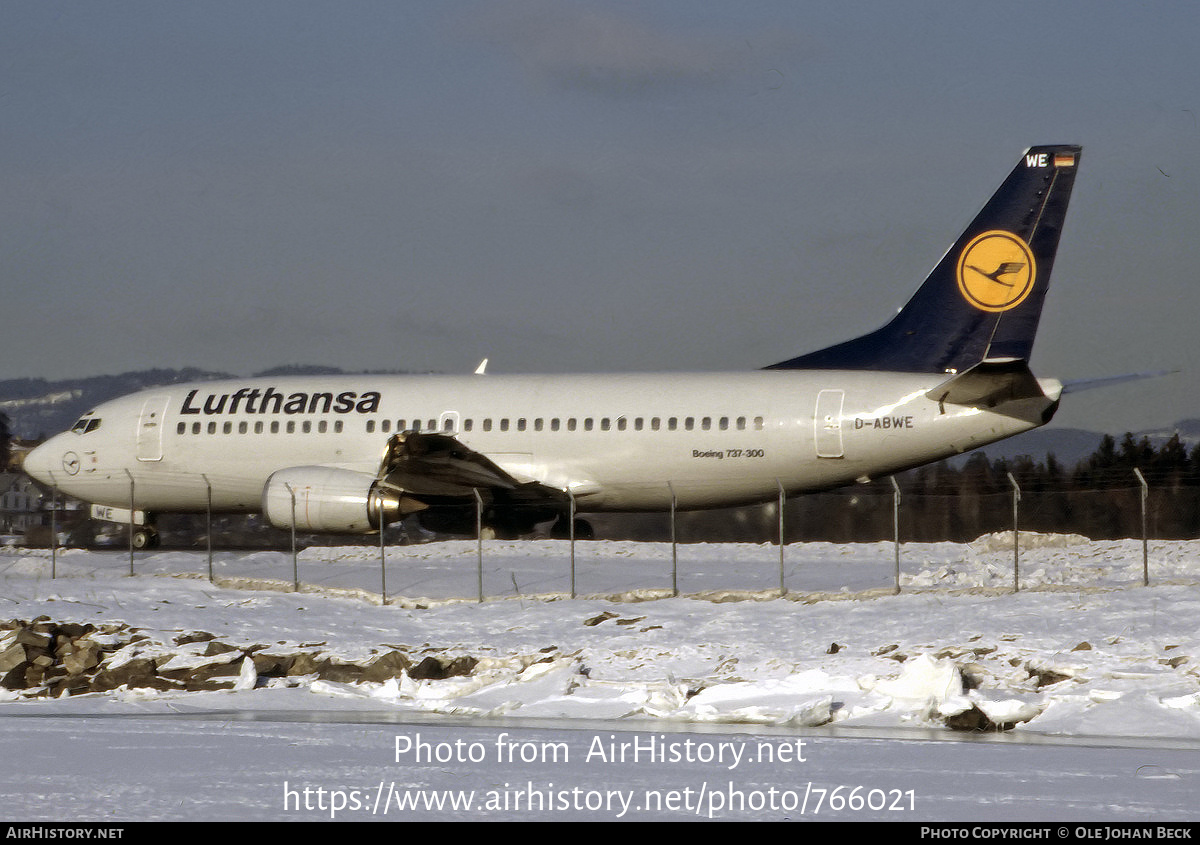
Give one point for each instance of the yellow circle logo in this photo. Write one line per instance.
(996, 271)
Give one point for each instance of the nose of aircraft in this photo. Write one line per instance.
(49, 464)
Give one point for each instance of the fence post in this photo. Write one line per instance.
(571, 496)
(1016, 534)
(130, 474)
(208, 524)
(896, 526)
(382, 556)
(674, 545)
(295, 566)
(1145, 547)
(479, 543)
(782, 499)
(53, 528)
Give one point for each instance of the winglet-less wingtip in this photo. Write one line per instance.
(1108, 381)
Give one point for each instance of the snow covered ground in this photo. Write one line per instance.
(840, 695)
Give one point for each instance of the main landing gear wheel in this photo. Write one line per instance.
(145, 538)
(561, 530)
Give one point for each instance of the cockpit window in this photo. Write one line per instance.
(85, 424)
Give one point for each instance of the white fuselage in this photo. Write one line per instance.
(941, 377)
(623, 442)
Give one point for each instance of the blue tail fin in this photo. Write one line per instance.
(984, 298)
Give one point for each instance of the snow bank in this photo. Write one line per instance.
(1081, 650)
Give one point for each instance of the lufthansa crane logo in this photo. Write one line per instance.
(996, 271)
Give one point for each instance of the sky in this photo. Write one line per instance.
(591, 186)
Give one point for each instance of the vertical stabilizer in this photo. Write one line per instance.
(984, 298)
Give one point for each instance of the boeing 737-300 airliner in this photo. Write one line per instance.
(341, 454)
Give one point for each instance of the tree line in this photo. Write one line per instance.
(1100, 497)
(5, 442)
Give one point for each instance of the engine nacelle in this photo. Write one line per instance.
(328, 499)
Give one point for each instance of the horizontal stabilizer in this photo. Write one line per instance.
(988, 384)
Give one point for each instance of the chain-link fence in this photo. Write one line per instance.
(883, 536)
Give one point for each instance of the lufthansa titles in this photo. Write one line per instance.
(253, 400)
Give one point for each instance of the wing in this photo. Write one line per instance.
(438, 471)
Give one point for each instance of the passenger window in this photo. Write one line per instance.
(689, 423)
(758, 423)
(258, 427)
(487, 425)
(195, 428)
(291, 427)
(724, 423)
(741, 423)
(655, 423)
(322, 426)
(521, 424)
(571, 424)
(554, 424)
(243, 427)
(212, 428)
(504, 424)
(275, 427)
(386, 426)
(337, 426)
(468, 424)
(605, 424)
(673, 423)
(181, 428)
(706, 423)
